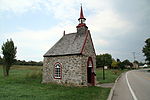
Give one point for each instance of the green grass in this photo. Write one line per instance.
(110, 75)
(24, 83)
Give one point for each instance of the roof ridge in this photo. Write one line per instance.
(70, 33)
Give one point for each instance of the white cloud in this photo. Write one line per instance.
(101, 42)
(103, 21)
(32, 44)
(107, 20)
(19, 6)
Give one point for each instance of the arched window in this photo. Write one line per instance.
(90, 64)
(57, 71)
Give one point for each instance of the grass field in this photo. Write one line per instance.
(110, 75)
(24, 83)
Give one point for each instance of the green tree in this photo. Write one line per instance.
(114, 63)
(119, 63)
(125, 63)
(136, 62)
(9, 53)
(0, 60)
(146, 50)
(103, 60)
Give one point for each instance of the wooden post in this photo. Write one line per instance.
(103, 73)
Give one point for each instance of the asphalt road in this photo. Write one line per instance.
(133, 85)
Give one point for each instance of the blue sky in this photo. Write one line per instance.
(118, 27)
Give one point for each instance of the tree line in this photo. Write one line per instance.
(107, 60)
(23, 62)
(30, 63)
(9, 54)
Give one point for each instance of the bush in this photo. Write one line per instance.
(116, 72)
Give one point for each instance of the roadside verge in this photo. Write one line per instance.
(112, 89)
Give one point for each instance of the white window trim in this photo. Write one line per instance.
(57, 66)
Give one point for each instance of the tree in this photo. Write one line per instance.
(136, 62)
(118, 60)
(103, 60)
(0, 60)
(119, 63)
(9, 53)
(114, 63)
(125, 63)
(146, 50)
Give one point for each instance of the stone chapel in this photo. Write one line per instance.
(72, 60)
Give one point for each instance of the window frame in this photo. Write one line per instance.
(57, 75)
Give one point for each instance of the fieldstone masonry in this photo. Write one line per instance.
(71, 69)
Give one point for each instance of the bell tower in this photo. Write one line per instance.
(81, 20)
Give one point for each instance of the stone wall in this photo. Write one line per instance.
(89, 51)
(73, 70)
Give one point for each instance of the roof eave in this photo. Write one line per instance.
(62, 55)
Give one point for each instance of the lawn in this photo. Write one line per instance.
(24, 83)
(110, 75)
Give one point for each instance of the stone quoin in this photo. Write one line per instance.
(72, 60)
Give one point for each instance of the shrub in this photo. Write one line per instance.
(115, 72)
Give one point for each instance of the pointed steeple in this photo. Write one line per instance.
(81, 19)
(81, 14)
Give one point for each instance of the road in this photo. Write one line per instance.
(133, 85)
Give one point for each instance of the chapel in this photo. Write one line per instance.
(72, 60)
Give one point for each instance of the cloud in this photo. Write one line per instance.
(32, 44)
(100, 22)
(113, 24)
(101, 42)
(19, 6)
(107, 20)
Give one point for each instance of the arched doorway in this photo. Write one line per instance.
(90, 72)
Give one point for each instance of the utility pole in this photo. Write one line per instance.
(134, 59)
(133, 56)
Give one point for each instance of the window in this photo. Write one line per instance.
(57, 71)
(90, 64)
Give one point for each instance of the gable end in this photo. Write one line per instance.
(88, 36)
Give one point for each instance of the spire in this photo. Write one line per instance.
(81, 19)
(81, 13)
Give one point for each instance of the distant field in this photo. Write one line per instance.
(24, 83)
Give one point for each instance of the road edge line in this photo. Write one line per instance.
(129, 86)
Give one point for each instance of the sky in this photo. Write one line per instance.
(118, 27)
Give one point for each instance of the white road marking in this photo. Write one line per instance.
(133, 95)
